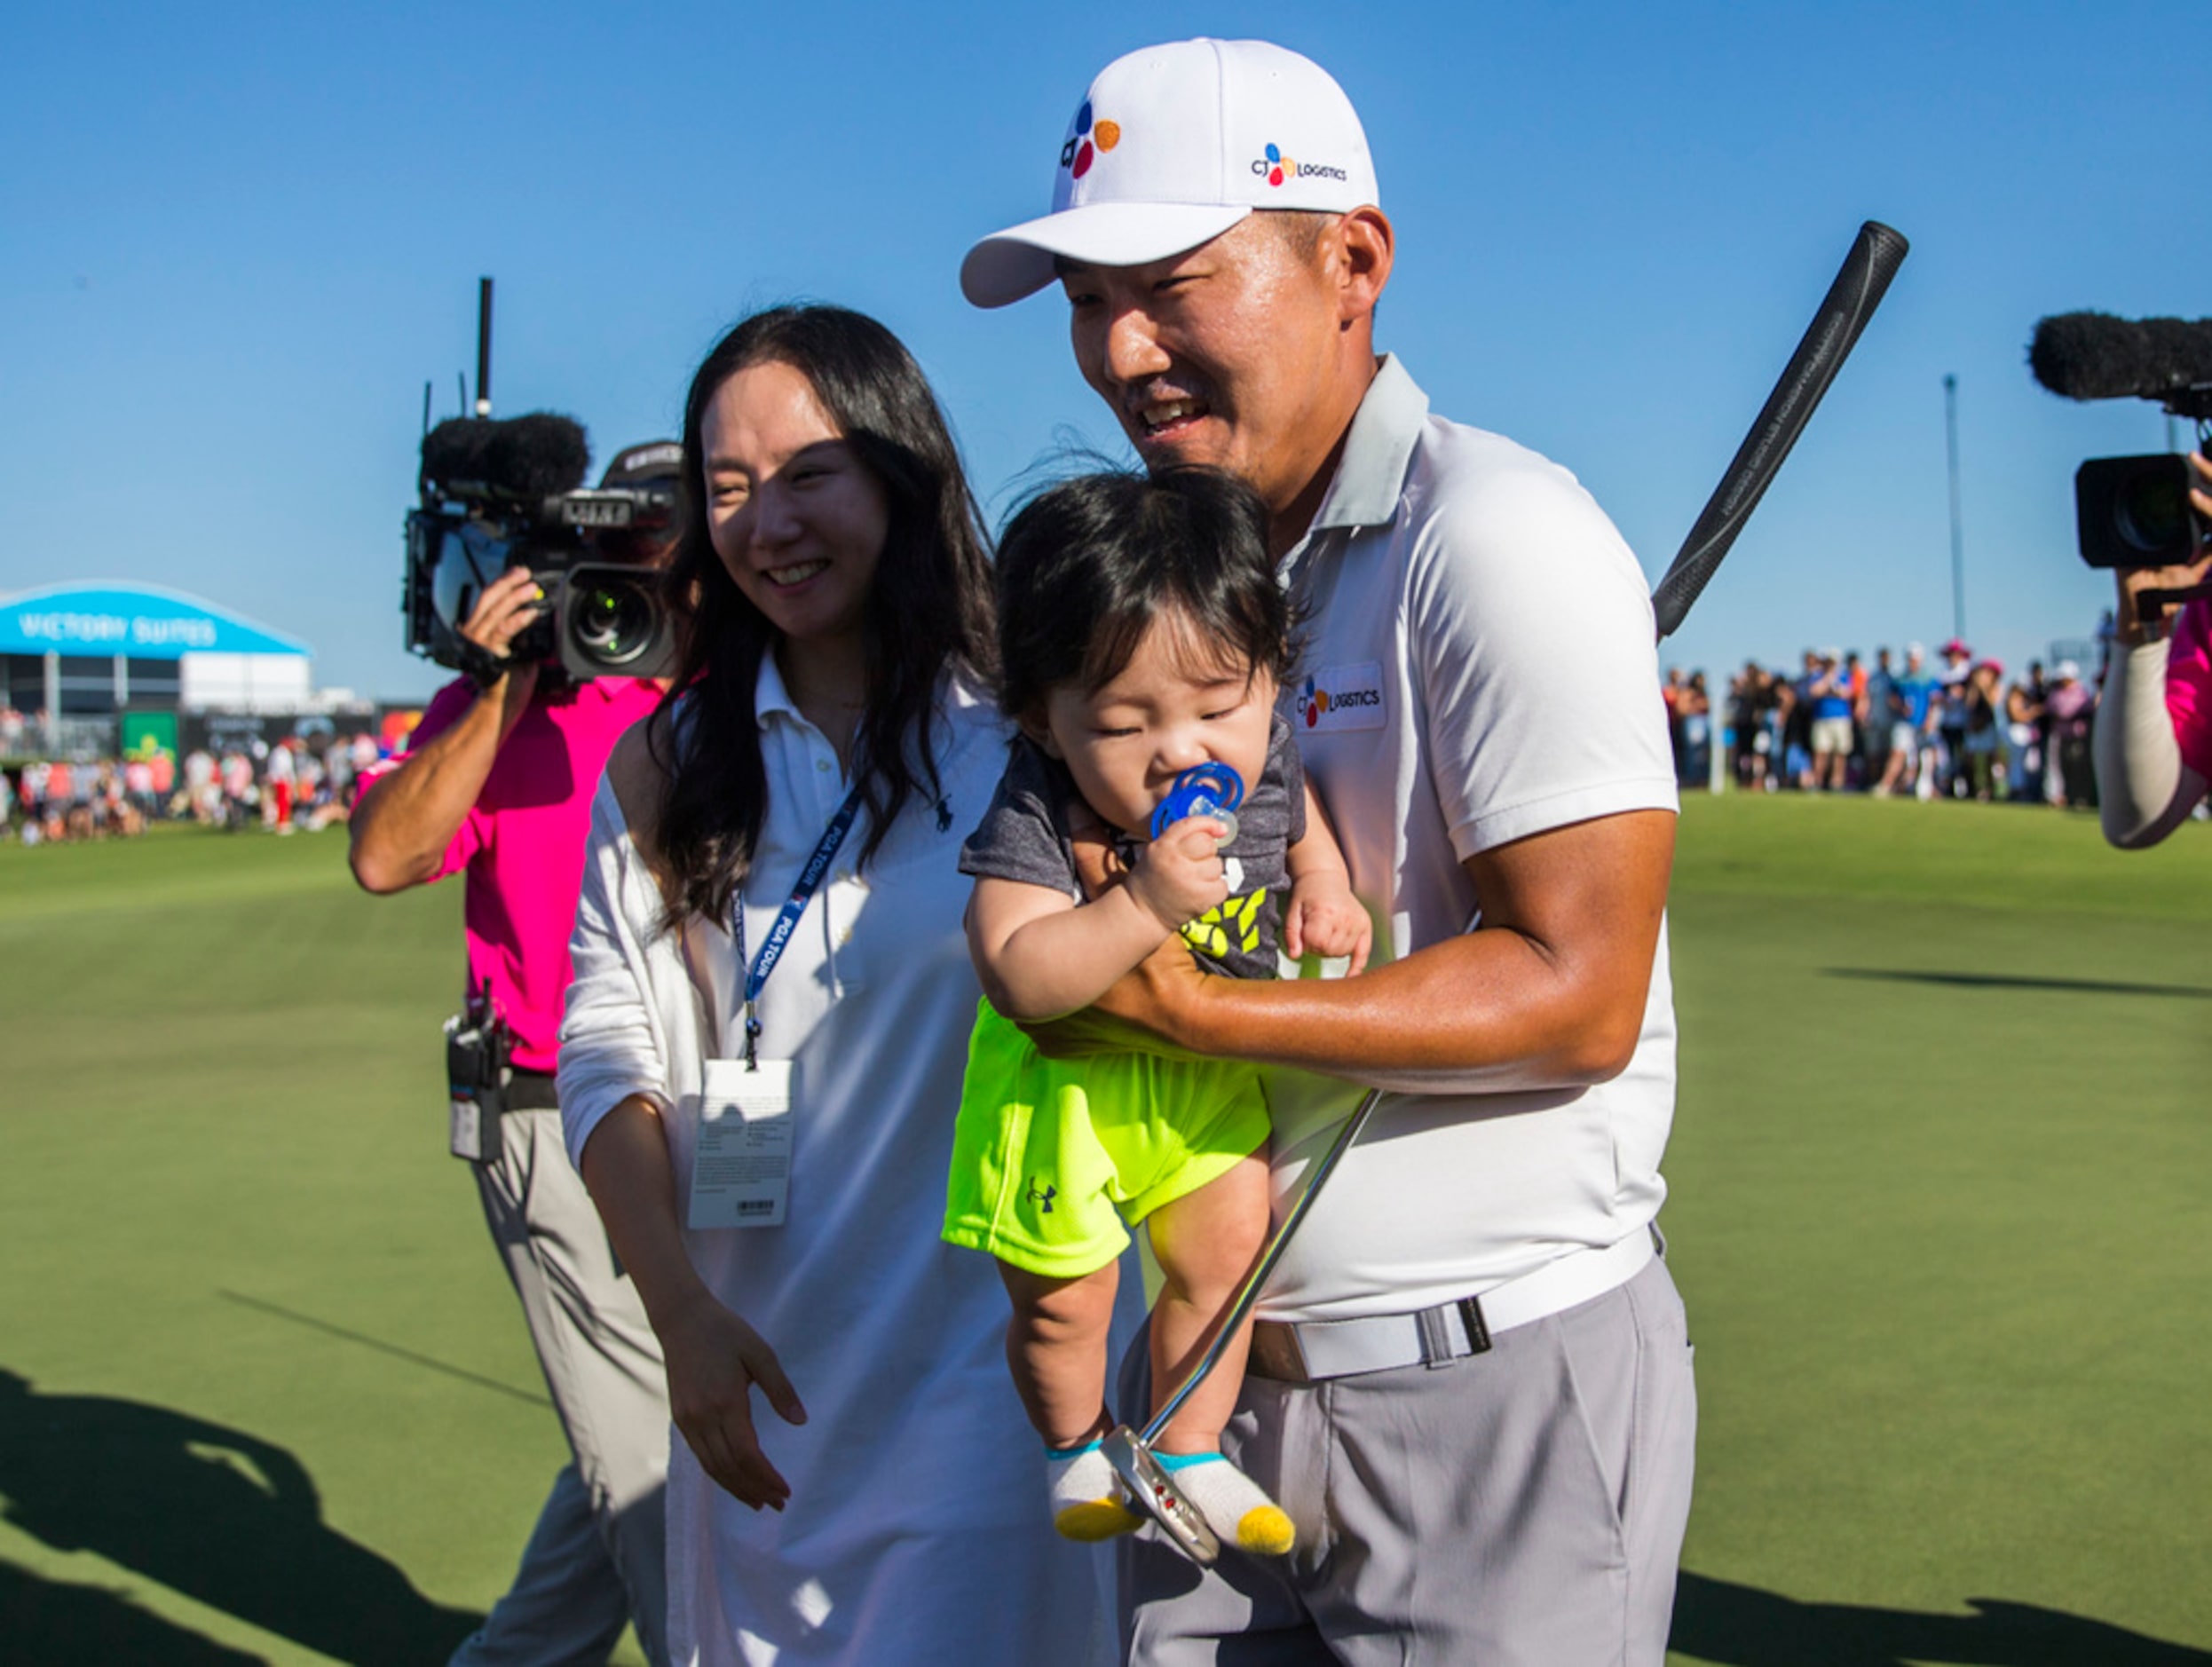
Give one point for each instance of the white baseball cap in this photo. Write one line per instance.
(1173, 144)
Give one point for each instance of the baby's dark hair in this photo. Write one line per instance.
(1086, 565)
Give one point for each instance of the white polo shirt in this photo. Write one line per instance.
(917, 1491)
(1480, 665)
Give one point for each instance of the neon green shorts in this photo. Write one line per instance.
(1051, 1157)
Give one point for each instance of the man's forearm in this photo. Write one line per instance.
(400, 829)
(1549, 992)
(1490, 1011)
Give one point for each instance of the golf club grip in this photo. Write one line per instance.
(1248, 1292)
(1852, 299)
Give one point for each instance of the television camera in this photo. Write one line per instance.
(507, 492)
(2134, 511)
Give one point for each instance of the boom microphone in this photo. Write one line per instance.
(527, 458)
(1850, 301)
(2096, 356)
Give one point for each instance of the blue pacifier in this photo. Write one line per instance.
(1210, 789)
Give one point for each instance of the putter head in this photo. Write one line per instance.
(1154, 1493)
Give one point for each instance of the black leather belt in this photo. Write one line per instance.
(531, 1090)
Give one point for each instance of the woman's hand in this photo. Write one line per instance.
(714, 1359)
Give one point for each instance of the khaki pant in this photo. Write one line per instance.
(1523, 1507)
(596, 1556)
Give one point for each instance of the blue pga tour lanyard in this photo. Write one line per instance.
(786, 920)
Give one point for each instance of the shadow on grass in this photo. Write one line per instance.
(1741, 1626)
(443, 1367)
(2006, 980)
(219, 1516)
(57, 1621)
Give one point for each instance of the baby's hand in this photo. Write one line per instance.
(1326, 919)
(1178, 877)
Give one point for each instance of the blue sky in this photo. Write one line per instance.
(235, 240)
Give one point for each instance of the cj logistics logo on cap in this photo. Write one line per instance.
(1276, 169)
(1083, 149)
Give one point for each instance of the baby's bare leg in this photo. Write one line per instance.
(1205, 1242)
(1056, 1349)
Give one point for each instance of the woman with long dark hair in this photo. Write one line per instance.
(767, 1028)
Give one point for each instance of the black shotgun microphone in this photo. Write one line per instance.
(528, 459)
(2096, 356)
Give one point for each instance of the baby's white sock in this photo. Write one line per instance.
(1232, 1503)
(1086, 1502)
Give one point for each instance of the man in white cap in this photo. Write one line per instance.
(1471, 1384)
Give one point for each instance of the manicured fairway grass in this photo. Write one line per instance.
(1939, 1212)
(1939, 1176)
(225, 1201)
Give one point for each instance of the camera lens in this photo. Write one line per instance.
(611, 623)
(2152, 509)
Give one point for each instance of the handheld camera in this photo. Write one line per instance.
(2133, 511)
(497, 494)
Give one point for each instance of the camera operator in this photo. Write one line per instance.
(2154, 739)
(498, 783)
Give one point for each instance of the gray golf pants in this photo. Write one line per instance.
(596, 1556)
(1519, 1508)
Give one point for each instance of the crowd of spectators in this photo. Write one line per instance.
(61, 800)
(1959, 731)
(243, 782)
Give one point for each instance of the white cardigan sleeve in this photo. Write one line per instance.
(2143, 789)
(613, 1043)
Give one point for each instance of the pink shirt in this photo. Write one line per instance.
(522, 844)
(2189, 685)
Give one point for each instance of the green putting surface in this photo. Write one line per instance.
(1939, 1169)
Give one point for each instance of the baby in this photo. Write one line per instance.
(1142, 632)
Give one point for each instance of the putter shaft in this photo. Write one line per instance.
(1248, 1292)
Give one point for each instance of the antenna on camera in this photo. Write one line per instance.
(484, 347)
(426, 406)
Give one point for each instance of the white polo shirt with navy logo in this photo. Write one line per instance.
(1479, 666)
